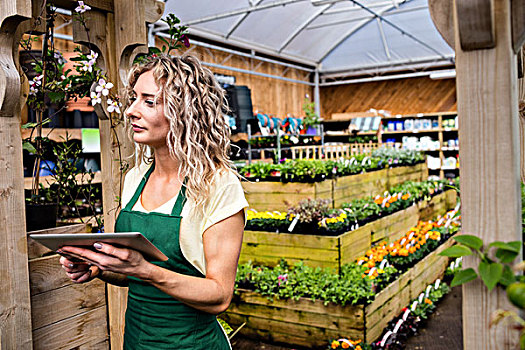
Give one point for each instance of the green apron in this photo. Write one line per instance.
(154, 319)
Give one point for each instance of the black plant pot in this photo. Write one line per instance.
(41, 216)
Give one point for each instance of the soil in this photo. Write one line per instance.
(442, 331)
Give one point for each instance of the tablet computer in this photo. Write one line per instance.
(133, 240)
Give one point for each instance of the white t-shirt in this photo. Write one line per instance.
(226, 199)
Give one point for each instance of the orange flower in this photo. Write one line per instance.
(428, 301)
(335, 344)
(345, 345)
(387, 205)
(358, 347)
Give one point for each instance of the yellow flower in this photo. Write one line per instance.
(335, 344)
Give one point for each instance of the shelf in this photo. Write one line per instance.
(47, 181)
(342, 133)
(418, 131)
(239, 137)
(85, 220)
(56, 134)
(422, 115)
(450, 148)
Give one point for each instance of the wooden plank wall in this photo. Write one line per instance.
(400, 96)
(269, 96)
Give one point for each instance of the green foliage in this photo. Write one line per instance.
(302, 170)
(311, 118)
(493, 269)
(302, 281)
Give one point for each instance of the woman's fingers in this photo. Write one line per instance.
(120, 253)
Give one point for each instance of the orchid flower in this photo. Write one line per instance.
(114, 106)
(103, 87)
(95, 98)
(81, 8)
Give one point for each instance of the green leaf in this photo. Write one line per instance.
(56, 96)
(456, 251)
(506, 256)
(463, 276)
(469, 241)
(507, 277)
(511, 246)
(490, 273)
(27, 146)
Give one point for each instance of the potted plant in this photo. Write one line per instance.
(311, 119)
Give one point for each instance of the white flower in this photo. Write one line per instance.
(95, 98)
(81, 8)
(92, 56)
(103, 87)
(114, 106)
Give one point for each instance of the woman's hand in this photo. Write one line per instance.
(109, 258)
(79, 272)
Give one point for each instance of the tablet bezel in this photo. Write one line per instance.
(133, 240)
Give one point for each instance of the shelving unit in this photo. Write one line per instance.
(278, 147)
(443, 127)
(56, 134)
(47, 181)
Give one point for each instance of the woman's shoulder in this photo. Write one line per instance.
(225, 177)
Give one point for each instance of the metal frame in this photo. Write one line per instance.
(380, 78)
(353, 30)
(241, 11)
(299, 29)
(240, 20)
(356, 19)
(383, 38)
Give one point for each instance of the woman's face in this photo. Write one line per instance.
(146, 113)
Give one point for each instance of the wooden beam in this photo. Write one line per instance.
(443, 16)
(15, 305)
(518, 23)
(489, 153)
(476, 27)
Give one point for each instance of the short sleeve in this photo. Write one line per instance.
(225, 202)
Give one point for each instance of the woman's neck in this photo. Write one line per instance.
(166, 167)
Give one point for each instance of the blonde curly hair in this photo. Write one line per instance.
(194, 103)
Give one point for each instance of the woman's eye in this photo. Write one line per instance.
(132, 99)
(150, 103)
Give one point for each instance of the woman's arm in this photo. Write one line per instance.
(222, 246)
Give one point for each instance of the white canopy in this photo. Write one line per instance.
(338, 37)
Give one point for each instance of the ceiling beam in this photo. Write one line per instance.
(240, 20)
(241, 11)
(301, 27)
(383, 38)
(353, 30)
(356, 19)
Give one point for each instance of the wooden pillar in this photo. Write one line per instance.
(15, 305)
(489, 151)
(117, 37)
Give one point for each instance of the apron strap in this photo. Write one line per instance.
(181, 199)
(136, 196)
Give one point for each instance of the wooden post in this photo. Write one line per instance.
(117, 37)
(15, 305)
(489, 152)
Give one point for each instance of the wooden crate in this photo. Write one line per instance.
(264, 195)
(267, 248)
(311, 324)
(64, 315)
(280, 196)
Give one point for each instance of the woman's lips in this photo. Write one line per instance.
(137, 128)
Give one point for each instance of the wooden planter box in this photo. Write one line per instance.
(267, 248)
(312, 324)
(348, 188)
(280, 196)
(64, 315)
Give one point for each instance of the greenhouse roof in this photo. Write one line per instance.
(339, 37)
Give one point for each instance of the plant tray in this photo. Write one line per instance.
(267, 195)
(311, 324)
(267, 248)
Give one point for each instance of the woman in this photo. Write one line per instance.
(186, 199)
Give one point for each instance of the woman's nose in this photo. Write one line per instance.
(131, 111)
